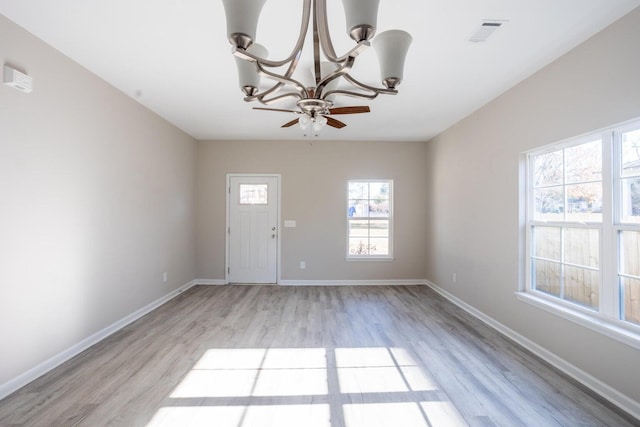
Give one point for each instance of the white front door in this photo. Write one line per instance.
(252, 239)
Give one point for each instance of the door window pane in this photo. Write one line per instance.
(253, 194)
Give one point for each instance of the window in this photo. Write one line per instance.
(369, 225)
(583, 225)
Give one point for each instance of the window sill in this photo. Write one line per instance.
(369, 258)
(594, 321)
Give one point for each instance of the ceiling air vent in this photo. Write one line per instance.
(487, 27)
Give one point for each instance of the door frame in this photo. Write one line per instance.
(227, 190)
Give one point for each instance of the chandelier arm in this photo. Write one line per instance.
(295, 53)
(285, 80)
(363, 86)
(352, 94)
(260, 96)
(279, 98)
(325, 39)
(345, 67)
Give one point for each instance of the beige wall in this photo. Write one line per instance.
(314, 179)
(97, 197)
(473, 221)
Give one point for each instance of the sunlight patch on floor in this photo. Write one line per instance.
(245, 416)
(317, 387)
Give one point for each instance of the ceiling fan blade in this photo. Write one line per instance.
(275, 109)
(335, 123)
(350, 110)
(291, 123)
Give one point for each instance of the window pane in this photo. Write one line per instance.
(379, 190)
(379, 246)
(582, 247)
(358, 190)
(631, 153)
(379, 228)
(547, 242)
(584, 162)
(253, 194)
(630, 253)
(359, 228)
(358, 208)
(546, 276)
(549, 204)
(631, 299)
(548, 169)
(379, 207)
(581, 286)
(630, 200)
(358, 246)
(584, 202)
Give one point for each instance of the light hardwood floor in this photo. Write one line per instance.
(255, 356)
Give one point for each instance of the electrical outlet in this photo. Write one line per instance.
(303, 265)
(164, 276)
(454, 278)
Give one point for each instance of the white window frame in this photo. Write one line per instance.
(606, 318)
(369, 257)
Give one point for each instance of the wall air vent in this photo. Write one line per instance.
(16, 79)
(487, 27)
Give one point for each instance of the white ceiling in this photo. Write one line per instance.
(173, 57)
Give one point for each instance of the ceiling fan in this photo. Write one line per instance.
(316, 112)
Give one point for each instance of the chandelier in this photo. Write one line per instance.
(315, 103)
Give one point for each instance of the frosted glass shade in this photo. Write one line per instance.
(242, 18)
(391, 47)
(361, 17)
(248, 76)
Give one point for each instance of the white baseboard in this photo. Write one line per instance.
(401, 282)
(210, 282)
(55, 361)
(617, 398)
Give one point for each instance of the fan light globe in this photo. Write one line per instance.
(319, 123)
(304, 121)
(392, 47)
